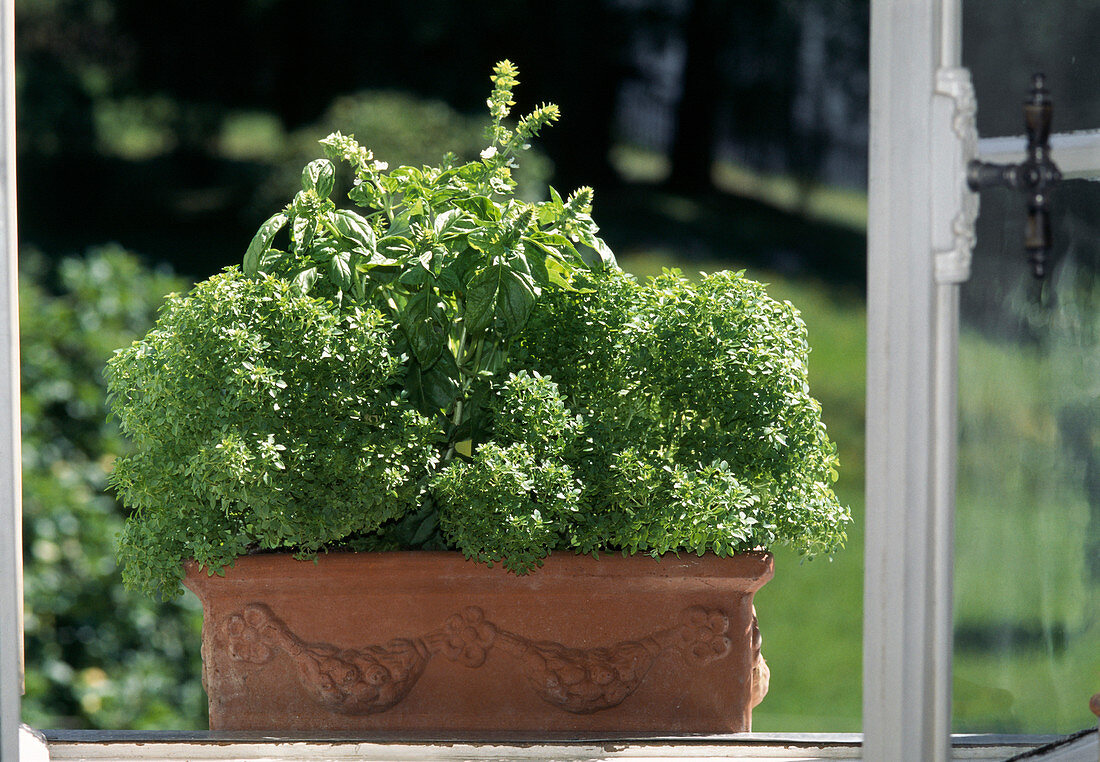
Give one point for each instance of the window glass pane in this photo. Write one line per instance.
(717, 135)
(1006, 41)
(1027, 636)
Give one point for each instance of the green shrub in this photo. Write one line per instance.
(700, 432)
(455, 367)
(266, 416)
(96, 654)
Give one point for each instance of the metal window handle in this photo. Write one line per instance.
(1035, 176)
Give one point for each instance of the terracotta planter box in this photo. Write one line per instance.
(429, 643)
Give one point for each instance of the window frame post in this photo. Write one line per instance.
(11, 562)
(912, 340)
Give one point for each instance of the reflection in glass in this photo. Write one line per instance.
(1006, 41)
(1027, 616)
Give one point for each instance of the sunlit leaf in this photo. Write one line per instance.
(261, 241)
(355, 228)
(319, 176)
(305, 279)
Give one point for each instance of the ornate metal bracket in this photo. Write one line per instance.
(1036, 176)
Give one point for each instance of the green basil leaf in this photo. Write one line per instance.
(424, 322)
(497, 291)
(560, 248)
(445, 223)
(456, 270)
(447, 365)
(323, 249)
(340, 268)
(394, 247)
(416, 277)
(517, 298)
(558, 274)
(427, 338)
(465, 263)
(517, 261)
(302, 231)
(482, 294)
(376, 263)
(535, 256)
(546, 248)
(355, 228)
(607, 257)
(449, 281)
(481, 207)
(319, 176)
(432, 391)
(269, 258)
(305, 279)
(425, 530)
(486, 240)
(261, 241)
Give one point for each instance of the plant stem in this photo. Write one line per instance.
(457, 418)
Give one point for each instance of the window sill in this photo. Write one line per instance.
(148, 746)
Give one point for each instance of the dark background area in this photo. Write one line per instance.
(778, 86)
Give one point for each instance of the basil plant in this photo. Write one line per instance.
(438, 364)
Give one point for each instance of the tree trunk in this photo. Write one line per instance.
(694, 143)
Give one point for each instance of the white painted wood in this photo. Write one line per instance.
(941, 540)
(950, 33)
(83, 746)
(11, 565)
(441, 752)
(32, 746)
(910, 402)
(1077, 154)
(954, 146)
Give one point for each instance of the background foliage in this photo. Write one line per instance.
(195, 113)
(97, 654)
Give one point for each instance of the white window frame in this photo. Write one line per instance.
(912, 334)
(11, 563)
(920, 233)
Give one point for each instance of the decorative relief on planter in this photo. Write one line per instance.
(350, 681)
(761, 674)
(373, 678)
(588, 680)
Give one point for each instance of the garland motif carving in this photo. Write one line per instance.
(374, 678)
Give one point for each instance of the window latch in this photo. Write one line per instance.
(1035, 176)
